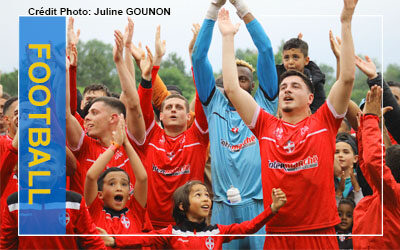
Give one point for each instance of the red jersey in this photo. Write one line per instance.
(181, 236)
(86, 154)
(170, 162)
(78, 221)
(130, 220)
(368, 212)
(298, 158)
(8, 179)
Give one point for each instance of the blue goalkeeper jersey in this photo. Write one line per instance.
(235, 152)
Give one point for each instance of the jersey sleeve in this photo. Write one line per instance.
(9, 229)
(7, 162)
(72, 89)
(160, 91)
(266, 70)
(156, 242)
(203, 72)
(330, 117)
(145, 92)
(260, 122)
(246, 227)
(201, 119)
(85, 225)
(374, 160)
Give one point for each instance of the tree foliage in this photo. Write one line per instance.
(10, 82)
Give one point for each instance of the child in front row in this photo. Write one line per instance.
(107, 193)
(192, 205)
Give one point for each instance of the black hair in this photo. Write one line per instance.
(8, 103)
(100, 180)
(109, 101)
(96, 87)
(306, 80)
(174, 88)
(392, 159)
(115, 95)
(349, 139)
(393, 84)
(296, 43)
(181, 197)
(348, 125)
(179, 97)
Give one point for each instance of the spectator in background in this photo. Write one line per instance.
(345, 210)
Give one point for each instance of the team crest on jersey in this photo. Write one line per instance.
(162, 139)
(210, 243)
(171, 155)
(304, 130)
(235, 130)
(278, 133)
(118, 154)
(64, 218)
(289, 147)
(125, 221)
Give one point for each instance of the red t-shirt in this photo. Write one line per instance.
(170, 162)
(86, 154)
(299, 160)
(78, 221)
(130, 220)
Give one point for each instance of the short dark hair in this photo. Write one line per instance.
(174, 88)
(349, 139)
(181, 197)
(306, 80)
(109, 101)
(100, 180)
(96, 87)
(393, 84)
(296, 43)
(393, 161)
(176, 96)
(8, 103)
(348, 201)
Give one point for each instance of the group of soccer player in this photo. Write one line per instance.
(136, 162)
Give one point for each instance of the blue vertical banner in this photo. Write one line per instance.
(42, 125)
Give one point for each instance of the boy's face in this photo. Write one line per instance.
(200, 203)
(345, 156)
(293, 59)
(115, 192)
(396, 93)
(346, 215)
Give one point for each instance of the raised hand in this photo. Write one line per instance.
(278, 199)
(128, 33)
(367, 66)
(225, 25)
(119, 46)
(72, 37)
(300, 36)
(160, 47)
(335, 44)
(195, 30)
(137, 52)
(146, 65)
(348, 10)
(373, 102)
(119, 135)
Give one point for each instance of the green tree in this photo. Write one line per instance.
(173, 76)
(392, 73)
(96, 65)
(10, 82)
(173, 61)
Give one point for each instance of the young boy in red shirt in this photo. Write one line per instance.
(192, 205)
(107, 192)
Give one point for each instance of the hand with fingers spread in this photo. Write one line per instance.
(195, 30)
(335, 44)
(137, 52)
(373, 102)
(278, 199)
(128, 33)
(367, 66)
(146, 65)
(72, 37)
(160, 48)
(348, 10)
(226, 27)
(119, 47)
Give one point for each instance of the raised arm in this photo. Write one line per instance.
(134, 116)
(392, 118)
(335, 47)
(373, 152)
(339, 96)
(244, 103)
(100, 164)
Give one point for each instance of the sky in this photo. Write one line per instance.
(375, 26)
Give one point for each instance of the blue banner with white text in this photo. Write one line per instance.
(42, 171)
